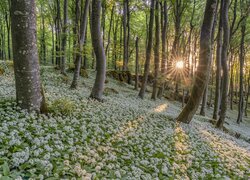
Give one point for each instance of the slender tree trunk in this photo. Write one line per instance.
(164, 52)
(218, 69)
(84, 21)
(148, 52)
(114, 51)
(64, 37)
(26, 66)
(231, 81)
(202, 74)
(242, 59)
(224, 59)
(110, 27)
(125, 40)
(7, 20)
(137, 64)
(98, 88)
(247, 96)
(53, 44)
(156, 50)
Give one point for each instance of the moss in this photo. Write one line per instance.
(62, 106)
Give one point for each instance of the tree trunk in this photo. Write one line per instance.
(224, 59)
(26, 66)
(202, 74)
(7, 20)
(205, 94)
(218, 69)
(110, 27)
(58, 33)
(242, 59)
(164, 53)
(248, 93)
(64, 36)
(97, 43)
(125, 37)
(231, 81)
(114, 51)
(156, 50)
(148, 52)
(137, 64)
(83, 25)
(204, 102)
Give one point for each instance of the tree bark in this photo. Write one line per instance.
(242, 59)
(125, 37)
(148, 52)
(164, 53)
(64, 37)
(248, 93)
(58, 32)
(203, 69)
(110, 27)
(205, 94)
(82, 34)
(156, 50)
(137, 64)
(224, 59)
(26, 67)
(97, 43)
(218, 69)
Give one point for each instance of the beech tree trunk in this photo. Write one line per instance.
(97, 43)
(241, 86)
(218, 69)
(164, 53)
(202, 74)
(224, 59)
(64, 36)
(58, 32)
(26, 66)
(205, 94)
(110, 27)
(248, 93)
(137, 64)
(125, 37)
(82, 34)
(148, 52)
(156, 50)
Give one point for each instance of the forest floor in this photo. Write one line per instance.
(122, 138)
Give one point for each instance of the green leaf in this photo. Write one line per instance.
(6, 169)
(5, 178)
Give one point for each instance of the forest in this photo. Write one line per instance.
(124, 89)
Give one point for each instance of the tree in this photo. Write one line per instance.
(204, 65)
(242, 59)
(137, 64)
(125, 37)
(148, 52)
(64, 36)
(218, 69)
(81, 38)
(29, 92)
(164, 52)
(224, 59)
(156, 50)
(97, 43)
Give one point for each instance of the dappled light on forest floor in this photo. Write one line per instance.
(161, 108)
(232, 155)
(181, 155)
(124, 137)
